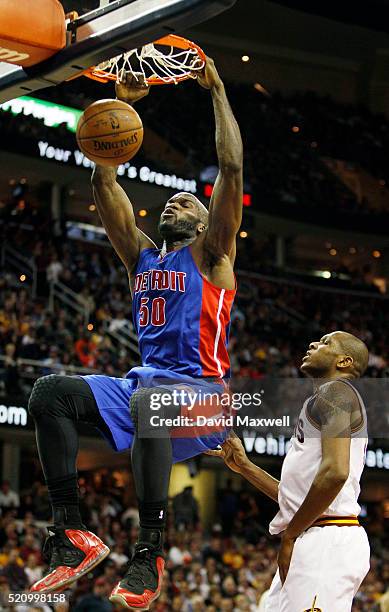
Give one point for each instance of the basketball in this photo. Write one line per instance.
(109, 132)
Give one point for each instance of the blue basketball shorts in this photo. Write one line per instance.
(113, 395)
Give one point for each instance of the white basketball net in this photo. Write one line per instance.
(170, 66)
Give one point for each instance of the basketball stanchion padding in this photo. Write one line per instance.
(95, 39)
(31, 32)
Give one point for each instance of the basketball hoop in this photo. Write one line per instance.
(170, 59)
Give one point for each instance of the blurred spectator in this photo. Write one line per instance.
(97, 600)
(30, 547)
(11, 374)
(227, 504)
(8, 497)
(33, 571)
(85, 351)
(186, 510)
(14, 572)
(118, 322)
(179, 553)
(54, 269)
(118, 555)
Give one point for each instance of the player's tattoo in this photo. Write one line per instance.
(335, 408)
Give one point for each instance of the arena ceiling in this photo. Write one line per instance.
(346, 29)
(373, 14)
(284, 24)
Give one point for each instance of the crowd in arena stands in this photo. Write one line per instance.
(283, 146)
(59, 337)
(344, 131)
(284, 141)
(225, 568)
(272, 321)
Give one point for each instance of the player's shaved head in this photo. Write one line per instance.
(203, 211)
(336, 353)
(355, 348)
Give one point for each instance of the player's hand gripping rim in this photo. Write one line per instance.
(208, 77)
(132, 87)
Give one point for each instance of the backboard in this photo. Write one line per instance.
(105, 32)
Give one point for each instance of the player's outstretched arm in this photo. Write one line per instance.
(225, 211)
(117, 216)
(234, 456)
(113, 205)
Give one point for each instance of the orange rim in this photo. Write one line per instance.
(171, 40)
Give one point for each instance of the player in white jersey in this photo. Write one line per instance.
(324, 552)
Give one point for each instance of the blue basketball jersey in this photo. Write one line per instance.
(182, 320)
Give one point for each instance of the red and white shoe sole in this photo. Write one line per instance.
(89, 567)
(119, 599)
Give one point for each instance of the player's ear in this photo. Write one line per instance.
(344, 361)
(201, 228)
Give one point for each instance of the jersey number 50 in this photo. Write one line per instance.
(154, 314)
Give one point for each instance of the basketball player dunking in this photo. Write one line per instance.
(324, 553)
(182, 297)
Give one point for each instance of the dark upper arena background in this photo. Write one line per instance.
(313, 256)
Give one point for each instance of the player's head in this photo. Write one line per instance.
(184, 217)
(336, 354)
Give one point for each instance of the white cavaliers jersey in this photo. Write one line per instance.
(302, 463)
